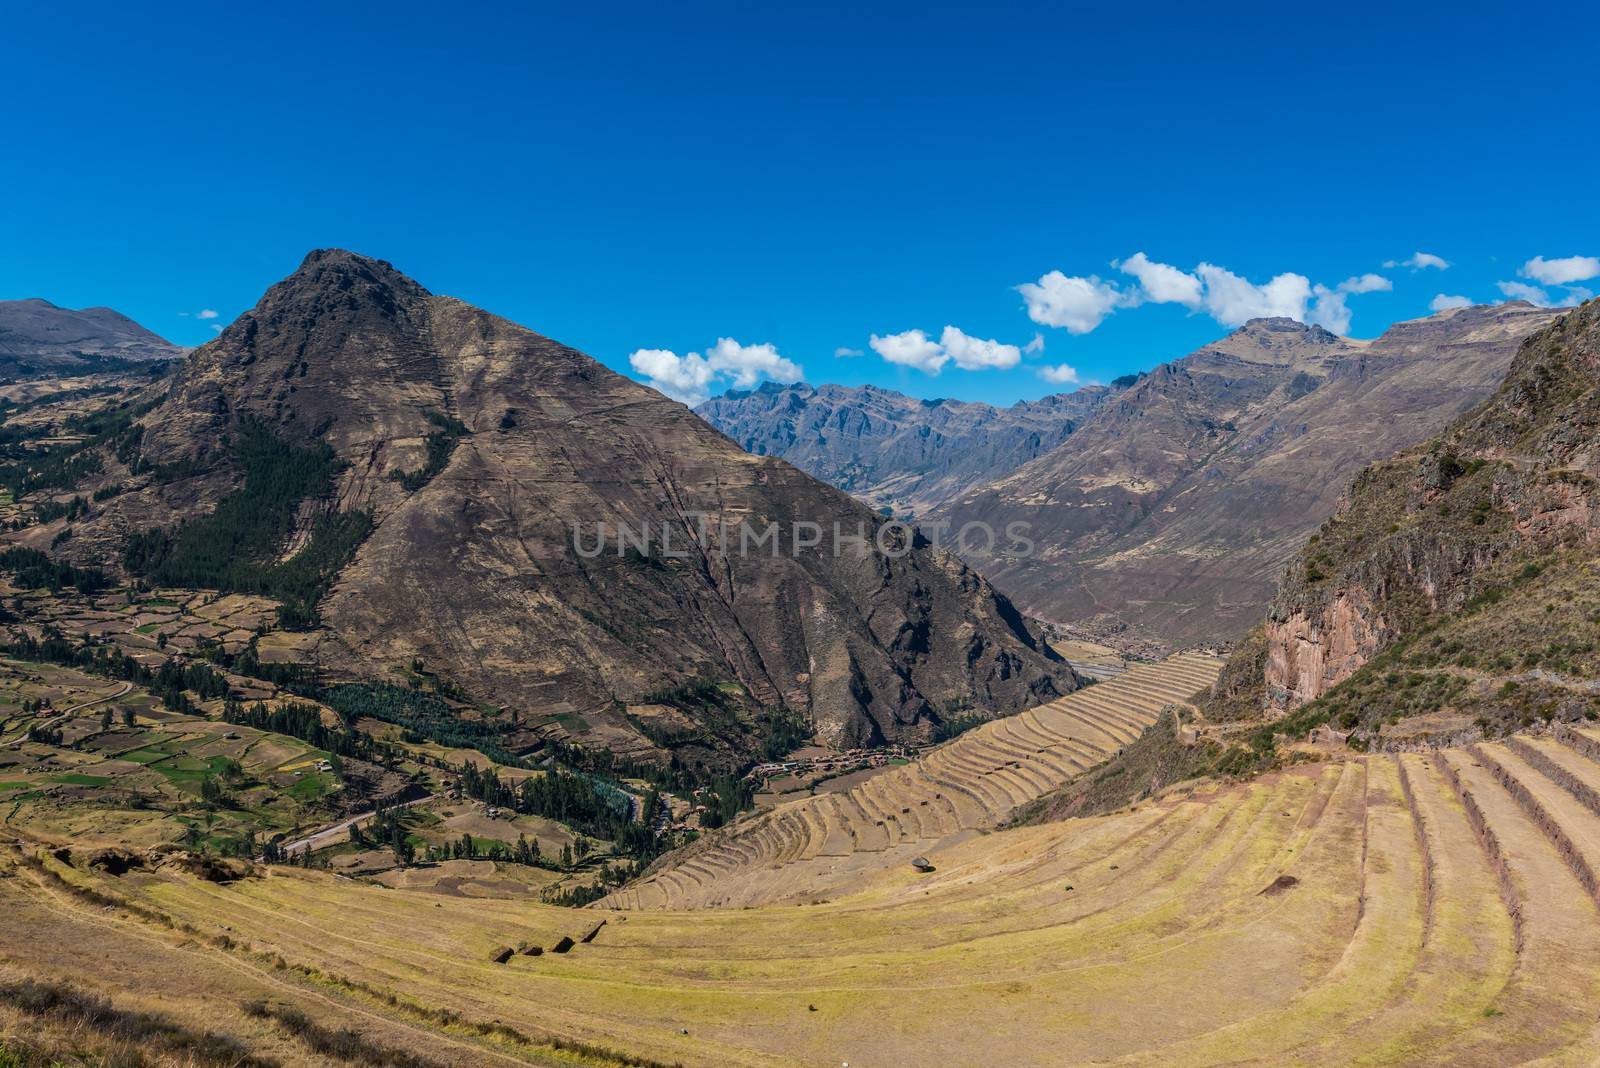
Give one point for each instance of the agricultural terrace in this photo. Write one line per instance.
(1409, 910)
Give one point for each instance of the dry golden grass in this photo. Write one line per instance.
(1414, 909)
(1376, 910)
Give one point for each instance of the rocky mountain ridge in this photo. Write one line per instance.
(891, 450)
(1512, 486)
(1454, 593)
(1173, 508)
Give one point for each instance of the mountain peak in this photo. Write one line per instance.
(337, 256)
(333, 296)
(345, 270)
(1282, 324)
(476, 449)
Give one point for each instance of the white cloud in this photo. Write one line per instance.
(1330, 311)
(847, 352)
(1366, 283)
(978, 354)
(1445, 302)
(203, 313)
(1523, 291)
(1061, 375)
(749, 364)
(1162, 283)
(1082, 303)
(1535, 295)
(688, 378)
(1329, 308)
(683, 378)
(1420, 260)
(1562, 271)
(1233, 301)
(1034, 346)
(1078, 304)
(912, 348)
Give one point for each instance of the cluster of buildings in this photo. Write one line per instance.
(833, 763)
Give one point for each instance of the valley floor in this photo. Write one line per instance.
(1412, 909)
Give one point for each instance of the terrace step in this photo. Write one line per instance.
(973, 781)
(1570, 826)
(838, 841)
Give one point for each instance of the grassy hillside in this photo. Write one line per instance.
(1454, 592)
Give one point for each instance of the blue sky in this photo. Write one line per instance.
(651, 179)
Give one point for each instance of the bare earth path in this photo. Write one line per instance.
(325, 836)
(122, 691)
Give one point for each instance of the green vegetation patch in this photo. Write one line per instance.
(440, 444)
(235, 549)
(152, 752)
(187, 769)
(312, 786)
(424, 715)
(73, 778)
(35, 570)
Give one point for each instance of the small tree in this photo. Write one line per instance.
(404, 851)
(105, 720)
(211, 791)
(127, 717)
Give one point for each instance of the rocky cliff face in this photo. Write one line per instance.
(895, 451)
(1174, 507)
(487, 457)
(36, 337)
(1482, 537)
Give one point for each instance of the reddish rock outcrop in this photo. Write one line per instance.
(1502, 494)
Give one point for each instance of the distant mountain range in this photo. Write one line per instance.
(1168, 502)
(425, 476)
(1175, 506)
(38, 337)
(895, 451)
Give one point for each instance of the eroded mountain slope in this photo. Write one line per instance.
(472, 447)
(1174, 507)
(1459, 575)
